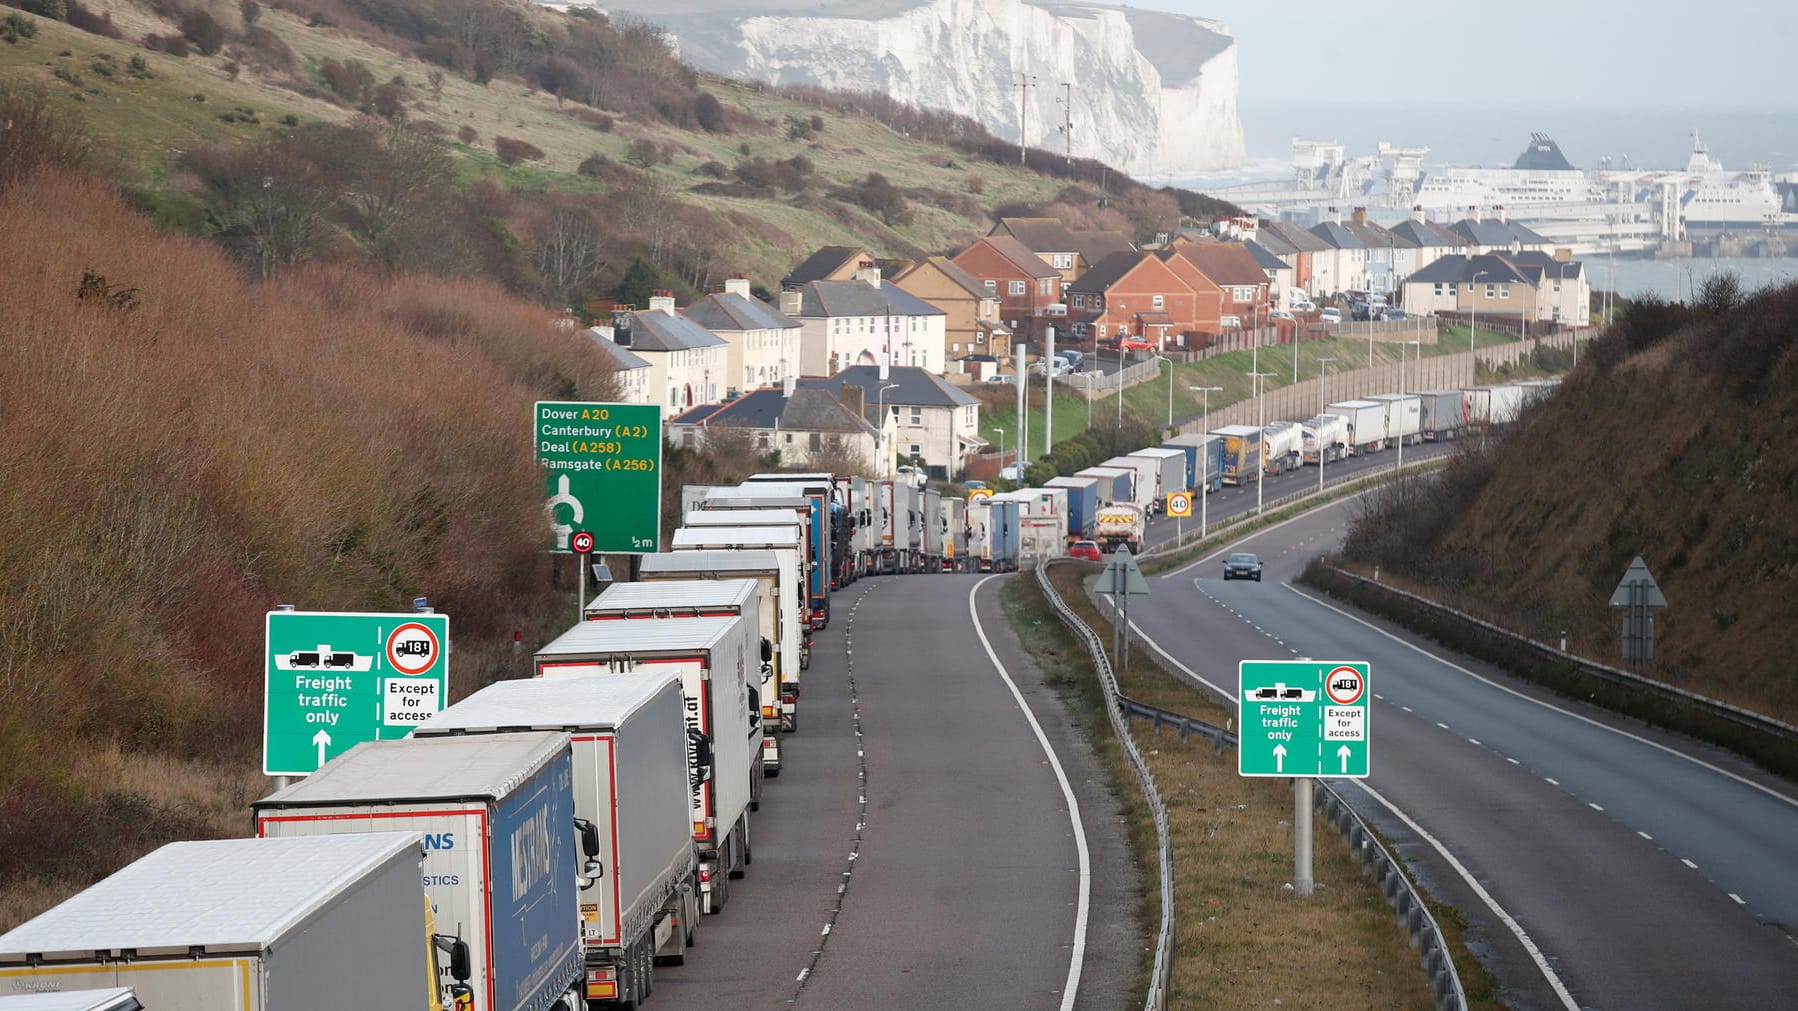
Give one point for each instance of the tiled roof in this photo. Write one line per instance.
(654, 330)
(1461, 270)
(915, 387)
(1337, 235)
(621, 357)
(1427, 233)
(1020, 256)
(1107, 272)
(1298, 238)
(955, 273)
(728, 312)
(820, 265)
(824, 299)
(1493, 232)
(1096, 246)
(1225, 263)
(1040, 235)
(807, 410)
(1264, 256)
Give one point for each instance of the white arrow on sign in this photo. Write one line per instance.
(1343, 753)
(1279, 757)
(321, 739)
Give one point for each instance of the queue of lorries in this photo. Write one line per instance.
(546, 842)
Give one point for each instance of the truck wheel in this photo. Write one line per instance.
(690, 915)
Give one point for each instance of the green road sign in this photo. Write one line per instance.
(602, 473)
(1304, 718)
(336, 680)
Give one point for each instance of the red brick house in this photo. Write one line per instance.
(1237, 274)
(1134, 297)
(1024, 284)
(1208, 299)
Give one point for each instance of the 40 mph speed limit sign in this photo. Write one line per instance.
(1179, 503)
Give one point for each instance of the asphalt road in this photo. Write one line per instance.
(917, 850)
(1644, 878)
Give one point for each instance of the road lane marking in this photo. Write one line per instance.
(1473, 741)
(1745, 781)
(1443, 725)
(1738, 899)
(1645, 835)
(1551, 781)
(1594, 806)
(1516, 929)
(1257, 533)
(1072, 986)
(1513, 761)
(1688, 863)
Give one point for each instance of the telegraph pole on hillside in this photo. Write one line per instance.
(1025, 80)
(1067, 123)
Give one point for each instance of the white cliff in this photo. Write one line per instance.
(1152, 93)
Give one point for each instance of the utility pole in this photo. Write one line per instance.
(1067, 125)
(1025, 80)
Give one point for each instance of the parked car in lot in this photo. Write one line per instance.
(1073, 358)
(1242, 565)
(1280, 314)
(1002, 379)
(1331, 314)
(1088, 550)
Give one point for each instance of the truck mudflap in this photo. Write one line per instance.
(770, 756)
(789, 710)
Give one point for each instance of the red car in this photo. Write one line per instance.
(1088, 550)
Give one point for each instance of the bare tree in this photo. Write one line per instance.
(571, 253)
(395, 174)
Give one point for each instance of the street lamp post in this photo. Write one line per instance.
(1401, 390)
(1204, 456)
(1473, 313)
(1323, 365)
(1170, 389)
(1123, 330)
(1261, 423)
(880, 402)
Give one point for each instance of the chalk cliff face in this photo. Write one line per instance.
(1152, 93)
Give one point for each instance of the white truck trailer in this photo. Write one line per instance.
(1145, 487)
(897, 505)
(952, 520)
(787, 547)
(628, 739)
(501, 845)
(1485, 406)
(1443, 415)
(246, 925)
(780, 612)
(816, 491)
(1366, 422)
(930, 502)
(1116, 484)
(1404, 417)
(709, 598)
(1171, 472)
(1328, 435)
(713, 657)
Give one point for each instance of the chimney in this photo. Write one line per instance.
(854, 399)
(1500, 209)
(662, 301)
(1563, 254)
(885, 367)
(604, 332)
(786, 389)
(1417, 214)
(1336, 215)
(1360, 216)
(867, 272)
(790, 302)
(1473, 213)
(736, 286)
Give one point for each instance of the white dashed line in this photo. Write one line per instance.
(1473, 741)
(1738, 899)
(1443, 725)
(1688, 863)
(1551, 781)
(1645, 835)
(1593, 806)
(1513, 761)
(1407, 709)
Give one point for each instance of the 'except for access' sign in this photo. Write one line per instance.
(1304, 718)
(335, 680)
(602, 473)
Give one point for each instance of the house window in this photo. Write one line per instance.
(1046, 286)
(817, 442)
(916, 450)
(992, 287)
(980, 337)
(1438, 287)
(1101, 331)
(1491, 288)
(1018, 288)
(789, 438)
(917, 416)
(1158, 302)
(955, 349)
(1064, 261)
(1504, 291)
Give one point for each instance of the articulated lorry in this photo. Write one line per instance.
(1171, 473)
(817, 489)
(504, 858)
(897, 508)
(1204, 459)
(1240, 460)
(1145, 485)
(714, 657)
(1404, 417)
(712, 598)
(627, 734)
(1485, 406)
(993, 534)
(249, 925)
(1116, 484)
(1120, 526)
(786, 545)
(930, 506)
(1440, 414)
(780, 611)
(1366, 421)
(1282, 447)
(952, 519)
(1083, 502)
(1326, 436)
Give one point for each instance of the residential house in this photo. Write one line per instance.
(1297, 247)
(1094, 246)
(1050, 240)
(808, 427)
(1208, 298)
(1343, 266)
(1132, 295)
(1382, 248)
(865, 321)
(1428, 242)
(831, 263)
(1279, 272)
(633, 372)
(971, 324)
(935, 423)
(762, 346)
(1563, 291)
(1025, 286)
(1496, 234)
(687, 361)
(1489, 285)
(1237, 274)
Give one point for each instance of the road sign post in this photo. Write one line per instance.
(334, 680)
(1179, 506)
(582, 543)
(602, 473)
(1303, 719)
(1122, 579)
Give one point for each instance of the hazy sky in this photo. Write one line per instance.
(1598, 53)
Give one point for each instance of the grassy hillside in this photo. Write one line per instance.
(679, 170)
(1673, 440)
(185, 449)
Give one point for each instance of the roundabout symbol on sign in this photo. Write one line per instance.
(1344, 686)
(582, 542)
(412, 648)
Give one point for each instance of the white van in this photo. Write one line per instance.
(1331, 314)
